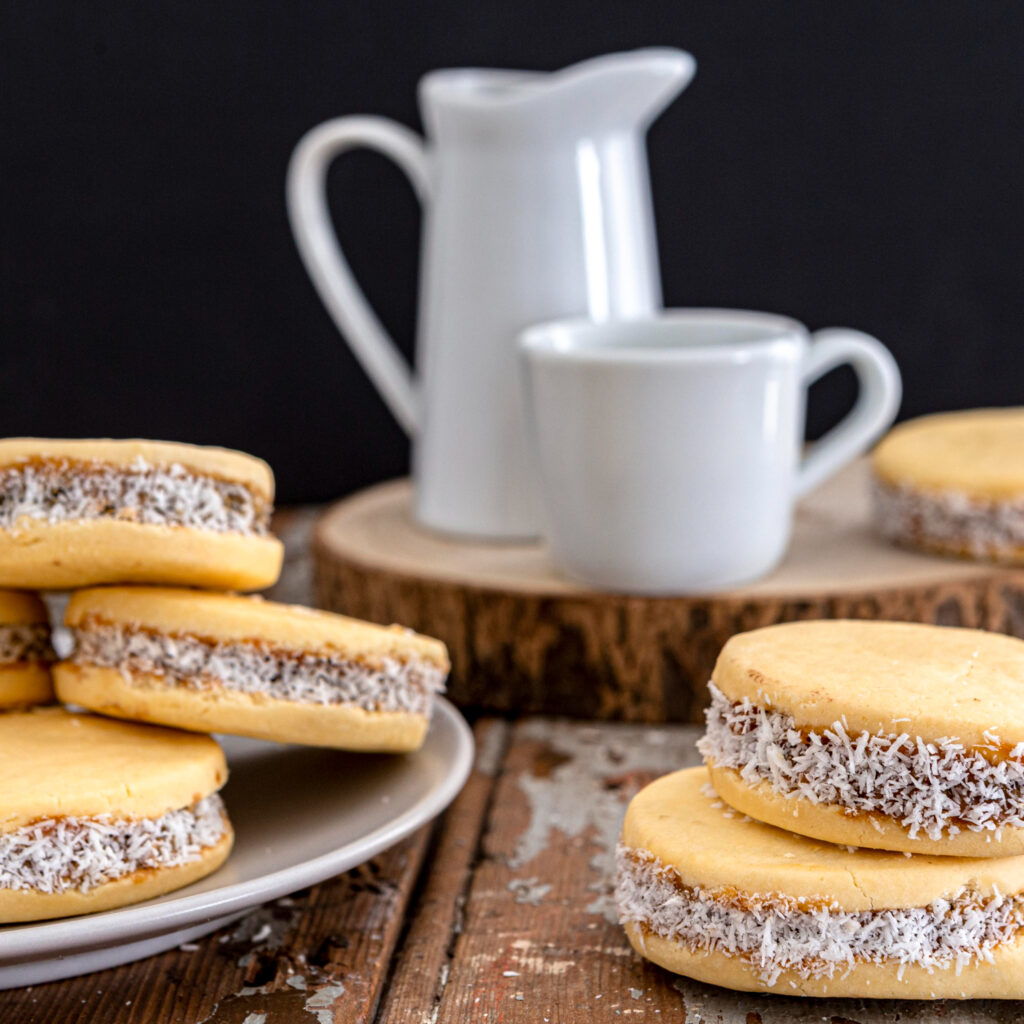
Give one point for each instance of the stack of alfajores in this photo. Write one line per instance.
(98, 809)
(858, 829)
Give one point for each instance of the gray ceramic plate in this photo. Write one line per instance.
(300, 814)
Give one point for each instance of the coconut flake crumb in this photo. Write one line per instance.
(255, 668)
(950, 520)
(776, 933)
(62, 490)
(56, 855)
(935, 787)
(25, 643)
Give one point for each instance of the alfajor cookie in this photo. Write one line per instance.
(954, 484)
(96, 814)
(888, 735)
(74, 513)
(25, 651)
(222, 663)
(710, 893)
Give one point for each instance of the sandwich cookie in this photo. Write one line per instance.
(712, 894)
(880, 734)
(954, 484)
(222, 663)
(79, 512)
(96, 814)
(25, 651)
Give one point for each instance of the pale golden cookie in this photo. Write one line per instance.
(25, 651)
(74, 513)
(890, 735)
(710, 893)
(953, 484)
(96, 814)
(223, 663)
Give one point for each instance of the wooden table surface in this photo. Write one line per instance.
(498, 912)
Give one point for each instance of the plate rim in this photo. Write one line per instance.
(90, 931)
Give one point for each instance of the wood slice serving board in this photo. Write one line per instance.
(524, 639)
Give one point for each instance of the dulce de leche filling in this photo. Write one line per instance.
(23, 643)
(811, 938)
(63, 490)
(255, 667)
(55, 855)
(938, 787)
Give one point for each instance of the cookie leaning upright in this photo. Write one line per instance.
(714, 895)
(74, 513)
(25, 651)
(96, 814)
(888, 735)
(223, 663)
(953, 484)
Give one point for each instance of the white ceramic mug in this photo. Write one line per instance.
(669, 447)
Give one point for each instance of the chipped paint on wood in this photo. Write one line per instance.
(491, 742)
(585, 778)
(528, 890)
(264, 929)
(321, 1003)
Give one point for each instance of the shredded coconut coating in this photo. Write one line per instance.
(57, 855)
(936, 787)
(59, 491)
(25, 643)
(776, 933)
(951, 520)
(256, 668)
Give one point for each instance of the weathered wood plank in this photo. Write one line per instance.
(318, 957)
(423, 960)
(539, 941)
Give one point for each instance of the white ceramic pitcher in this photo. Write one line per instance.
(537, 205)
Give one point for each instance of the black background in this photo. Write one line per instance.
(854, 163)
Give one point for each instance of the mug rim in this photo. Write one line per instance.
(781, 332)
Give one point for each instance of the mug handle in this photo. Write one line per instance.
(326, 264)
(878, 377)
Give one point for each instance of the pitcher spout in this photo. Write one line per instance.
(630, 88)
(618, 90)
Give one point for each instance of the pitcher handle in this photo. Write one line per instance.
(326, 264)
(877, 403)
